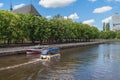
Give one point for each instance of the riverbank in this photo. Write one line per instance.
(21, 50)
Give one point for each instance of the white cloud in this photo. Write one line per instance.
(65, 17)
(92, 0)
(18, 6)
(90, 22)
(113, 0)
(55, 3)
(117, 0)
(73, 16)
(106, 20)
(1, 4)
(49, 17)
(109, 0)
(102, 9)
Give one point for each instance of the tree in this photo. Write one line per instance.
(118, 34)
(43, 30)
(19, 27)
(58, 16)
(104, 26)
(31, 27)
(107, 26)
(94, 32)
(8, 26)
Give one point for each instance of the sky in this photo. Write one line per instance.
(92, 12)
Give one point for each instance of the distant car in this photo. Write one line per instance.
(50, 53)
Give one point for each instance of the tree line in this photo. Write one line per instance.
(20, 28)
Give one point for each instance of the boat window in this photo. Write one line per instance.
(38, 48)
(44, 52)
(49, 53)
(53, 52)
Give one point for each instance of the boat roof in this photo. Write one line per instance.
(44, 52)
(52, 49)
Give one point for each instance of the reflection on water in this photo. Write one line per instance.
(101, 62)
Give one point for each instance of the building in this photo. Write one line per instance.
(116, 22)
(28, 9)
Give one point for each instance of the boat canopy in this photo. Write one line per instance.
(50, 51)
(44, 52)
(53, 49)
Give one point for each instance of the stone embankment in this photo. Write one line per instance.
(21, 50)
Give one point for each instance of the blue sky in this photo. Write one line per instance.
(92, 12)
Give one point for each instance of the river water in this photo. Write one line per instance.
(100, 62)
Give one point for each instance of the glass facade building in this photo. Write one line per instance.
(116, 22)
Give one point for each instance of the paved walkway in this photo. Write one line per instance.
(75, 44)
(67, 45)
(15, 49)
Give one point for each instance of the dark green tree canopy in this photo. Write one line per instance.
(16, 28)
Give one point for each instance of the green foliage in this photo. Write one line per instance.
(16, 28)
(107, 35)
(118, 34)
(106, 26)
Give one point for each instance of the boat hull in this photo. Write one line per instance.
(33, 51)
(50, 57)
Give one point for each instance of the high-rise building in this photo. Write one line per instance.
(116, 21)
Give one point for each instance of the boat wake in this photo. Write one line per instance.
(23, 64)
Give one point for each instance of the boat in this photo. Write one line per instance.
(50, 53)
(35, 50)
